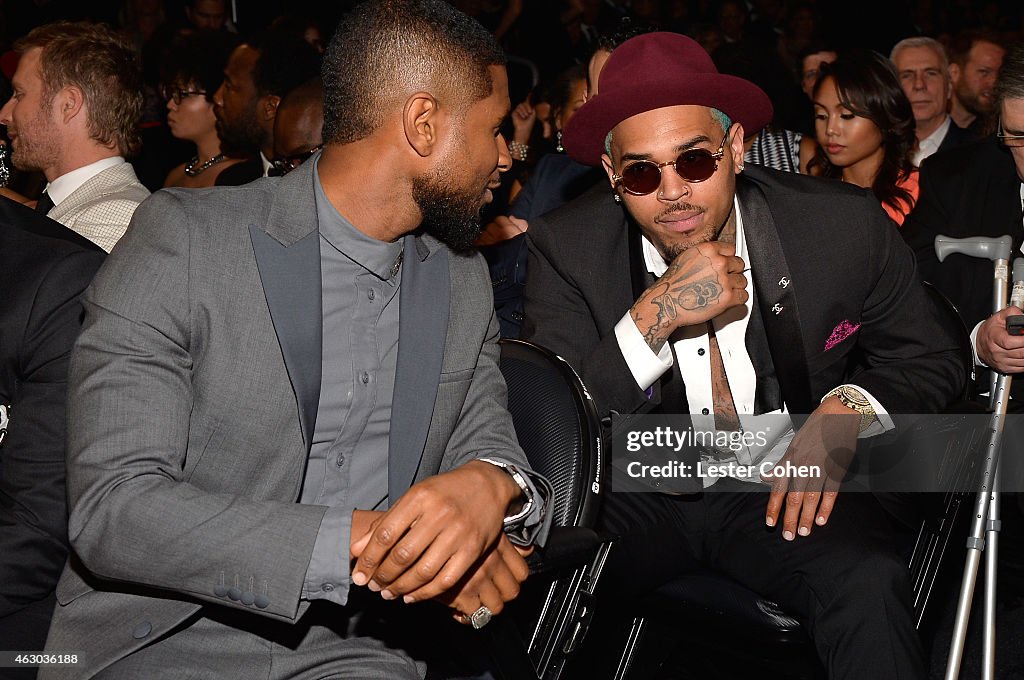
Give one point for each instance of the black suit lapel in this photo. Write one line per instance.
(767, 393)
(775, 300)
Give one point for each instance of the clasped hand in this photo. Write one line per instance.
(443, 540)
(699, 284)
(997, 348)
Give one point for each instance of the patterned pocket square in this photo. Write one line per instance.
(840, 333)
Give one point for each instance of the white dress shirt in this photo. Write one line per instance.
(66, 184)
(692, 344)
(930, 144)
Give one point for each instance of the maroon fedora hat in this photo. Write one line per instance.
(656, 70)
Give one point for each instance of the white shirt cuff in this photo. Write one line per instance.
(883, 421)
(644, 364)
(974, 345)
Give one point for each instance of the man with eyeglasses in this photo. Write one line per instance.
(298, 127)
(976, 190)
(715, 293)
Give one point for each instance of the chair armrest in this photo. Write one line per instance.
(566, 547)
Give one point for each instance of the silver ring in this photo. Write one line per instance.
(480, 618)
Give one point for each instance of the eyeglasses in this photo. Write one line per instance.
(178, 94)
(693, 165)
(282, 166)
(1012, 141)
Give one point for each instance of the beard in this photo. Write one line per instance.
(449, 215)
(35, 145)
(243, 135)
(671, 248)
(976, 103)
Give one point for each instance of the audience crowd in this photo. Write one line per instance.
(654, 175)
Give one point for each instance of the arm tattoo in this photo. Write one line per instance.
(671, 301)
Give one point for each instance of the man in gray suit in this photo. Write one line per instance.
(289, 390)
(74, 116)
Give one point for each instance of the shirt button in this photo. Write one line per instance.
(365, 377)
(704, 411)
(700, 352)
(340, 460)
(370, 294)
(327, 587)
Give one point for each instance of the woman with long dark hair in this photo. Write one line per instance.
(865, 129)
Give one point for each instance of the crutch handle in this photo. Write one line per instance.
(1018, 269)
(991, 248)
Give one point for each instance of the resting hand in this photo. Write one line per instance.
(828, 440)
(435, 532)
(491, 582)
(997, 348)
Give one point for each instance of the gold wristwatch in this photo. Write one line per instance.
(851, 398)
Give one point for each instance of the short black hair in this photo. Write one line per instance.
(199, 58)
(383, 42)
(626, 29)
(285, 61)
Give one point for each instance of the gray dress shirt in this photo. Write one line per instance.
(348, 460)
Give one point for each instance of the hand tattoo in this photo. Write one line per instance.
(671, 300)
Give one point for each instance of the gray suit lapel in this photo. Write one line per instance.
(287, 250)
(423, 329)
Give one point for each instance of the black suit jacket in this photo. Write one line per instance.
(44, 267)
(972, 190)
(822, 253)
(241, 173)
(955, 136)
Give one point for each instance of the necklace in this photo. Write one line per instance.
(192, 168)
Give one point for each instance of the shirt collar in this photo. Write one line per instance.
(265, 163)
(68, 183)
(656, 264)
(930, 144)
(377, 257)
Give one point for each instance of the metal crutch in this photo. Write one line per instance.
(985, 524)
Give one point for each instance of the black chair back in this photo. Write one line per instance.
(558, 427)
(949, 315)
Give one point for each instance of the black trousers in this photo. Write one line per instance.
(847, 582)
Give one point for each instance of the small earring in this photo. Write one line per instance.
(617, 198)
(559, 148)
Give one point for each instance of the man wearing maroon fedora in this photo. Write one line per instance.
(695, 286)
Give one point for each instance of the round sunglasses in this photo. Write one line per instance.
(694, 165)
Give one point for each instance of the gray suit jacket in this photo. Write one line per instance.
(194, 389)
(102, 207)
